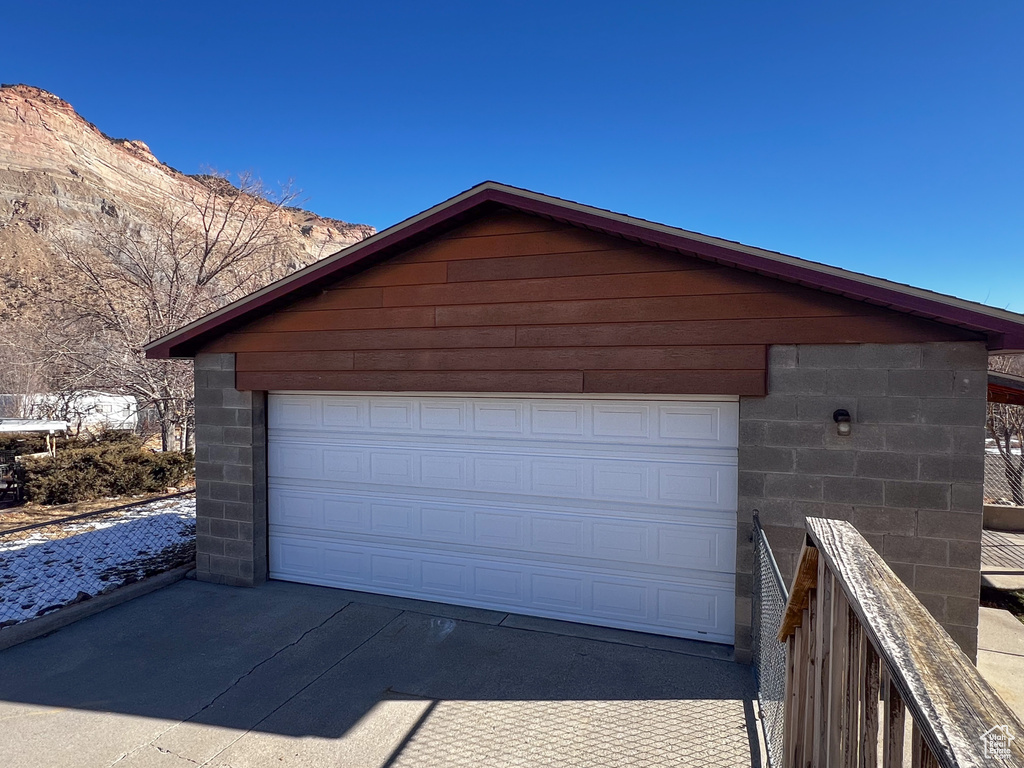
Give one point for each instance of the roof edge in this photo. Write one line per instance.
(812, 267)
(161, 347)
(1003, 329)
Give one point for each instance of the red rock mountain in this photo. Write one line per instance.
(61, 177)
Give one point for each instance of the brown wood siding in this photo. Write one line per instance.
(516, 303)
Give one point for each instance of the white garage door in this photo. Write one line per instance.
(616, 512)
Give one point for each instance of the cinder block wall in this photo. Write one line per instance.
(909, 477)
(231, 476)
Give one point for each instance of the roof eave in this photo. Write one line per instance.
(819, 276)
(183, 342)
(1003, 330)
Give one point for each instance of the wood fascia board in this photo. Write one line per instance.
(1004, 330)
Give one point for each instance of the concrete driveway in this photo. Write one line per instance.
(291, 675)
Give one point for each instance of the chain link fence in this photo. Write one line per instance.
(769, 604)
(1004, 454)
(1004, 479)
(49, 565)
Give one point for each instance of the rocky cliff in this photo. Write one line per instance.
(61, 177)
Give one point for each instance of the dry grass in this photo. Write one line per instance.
(31, 514)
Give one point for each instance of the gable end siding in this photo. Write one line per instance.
(517, 303)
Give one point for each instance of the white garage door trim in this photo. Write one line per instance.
(617, 511)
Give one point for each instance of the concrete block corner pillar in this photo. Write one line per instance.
(909, 476)
(231, 476)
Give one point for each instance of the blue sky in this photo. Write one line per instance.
(885, 138)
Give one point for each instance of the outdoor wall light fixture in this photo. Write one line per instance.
(843, 423)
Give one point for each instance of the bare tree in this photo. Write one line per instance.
(19, 373)
(1006, 428)
(1007, 364)
(136, 285)
(35, 382)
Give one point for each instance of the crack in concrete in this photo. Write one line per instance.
(307, 685)
(1018, 654)
(158, 748)
(190, 718)
(270, 658)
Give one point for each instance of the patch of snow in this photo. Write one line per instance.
(991, 448)
(65, 563)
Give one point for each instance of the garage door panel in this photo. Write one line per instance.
(596, 507)
(442, 578)
(337, 464)
(297, 412)
(554, 418)
(499, 475)
(686, 609)
(561, 533)
(493, 418)
(444, 471)
(391, 570)
(446, 416)
(502, 584)
(557, 592)
(616, 512)
(342, 565)
(421, 441)
(688, 422)
(298, 557)
(394, 414)
(393, 519)
(689, 482)
(344, 413)
(297, 461)
(624, 601)
(698, 486)
(557, 478)
(444, 523)
(702, 424)
(339, 513)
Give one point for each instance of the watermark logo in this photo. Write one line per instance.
(997, 741)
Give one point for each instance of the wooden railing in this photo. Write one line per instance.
(862, 654)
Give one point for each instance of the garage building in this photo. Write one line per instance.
(520, 403)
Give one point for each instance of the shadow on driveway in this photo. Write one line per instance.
(288, 674)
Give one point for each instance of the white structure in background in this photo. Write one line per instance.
(19, 426)
(83, 411)
(22, 426)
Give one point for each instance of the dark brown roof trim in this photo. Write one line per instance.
(1005, 388)
(1003, 330)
